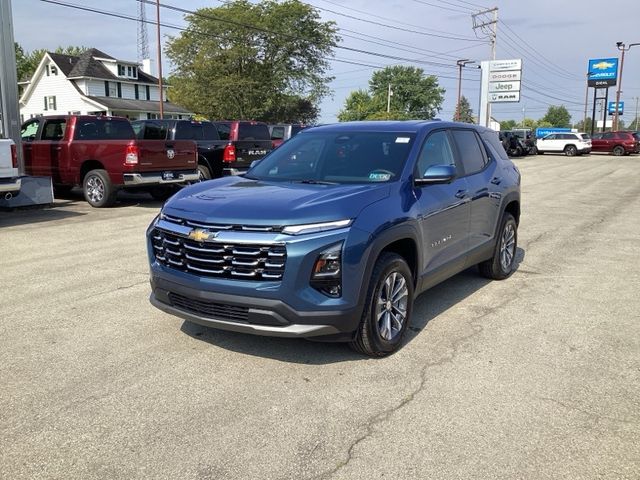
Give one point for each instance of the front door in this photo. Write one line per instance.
(47, 152)
(444, 209)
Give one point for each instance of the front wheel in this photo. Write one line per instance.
(570, 151)
(618, 151)
(501, 265)
(98, 190)
(388, 307)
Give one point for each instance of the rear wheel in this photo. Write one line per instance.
(501, 265)
(203, 172)
(98, 190)
(388, 307)
(618, 150)
(570, 151)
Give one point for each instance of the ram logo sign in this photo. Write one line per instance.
(603, 72)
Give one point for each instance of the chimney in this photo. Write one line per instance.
(146, 66)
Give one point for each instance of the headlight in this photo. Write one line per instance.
(315, 227)
(326, 276)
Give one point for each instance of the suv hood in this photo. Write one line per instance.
(237, 200)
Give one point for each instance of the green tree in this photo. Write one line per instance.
(224, 69)
(584, 126)
(414, 96)
(508, 124)
(464, 113)
(558, 117)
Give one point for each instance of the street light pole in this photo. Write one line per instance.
(623, 48)
(460, 63)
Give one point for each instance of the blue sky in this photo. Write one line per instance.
(555, 40)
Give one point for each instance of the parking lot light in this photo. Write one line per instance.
(623, 48)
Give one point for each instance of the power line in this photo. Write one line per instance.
(441, 7)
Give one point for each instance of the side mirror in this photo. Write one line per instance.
(437, 174)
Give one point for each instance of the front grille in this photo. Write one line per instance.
(208, 309)
(217, 227)
(226, 260)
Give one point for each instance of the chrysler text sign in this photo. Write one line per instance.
(603, 72)
(504, 81)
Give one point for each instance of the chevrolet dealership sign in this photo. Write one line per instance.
(603, 72)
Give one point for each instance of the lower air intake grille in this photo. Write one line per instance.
(207, 309)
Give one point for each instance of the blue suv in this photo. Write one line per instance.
(333, 234)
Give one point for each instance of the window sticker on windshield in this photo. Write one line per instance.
(402, 139)
(379, 177)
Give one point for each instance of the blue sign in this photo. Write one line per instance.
(543, 131)
(612, 108)
(603, 72)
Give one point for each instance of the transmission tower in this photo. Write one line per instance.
(143, 39)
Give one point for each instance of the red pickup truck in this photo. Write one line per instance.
(102, 154)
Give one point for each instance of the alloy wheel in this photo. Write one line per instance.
(391, 306)
(95, 189)
(507, 247)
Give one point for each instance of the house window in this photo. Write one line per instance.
(121, 71)
(47, 70)
(119, 90)
(113, 90)
(148, 92)
(152, 116)
(50, 103)
(54, 70)
(137, 91)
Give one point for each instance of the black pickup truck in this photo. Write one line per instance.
(224, 148)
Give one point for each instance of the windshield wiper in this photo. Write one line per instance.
(310, 181)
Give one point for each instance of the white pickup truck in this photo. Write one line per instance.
(9, 176)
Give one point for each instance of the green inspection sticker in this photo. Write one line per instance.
(379, 177)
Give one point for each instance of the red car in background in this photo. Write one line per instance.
(618, 143)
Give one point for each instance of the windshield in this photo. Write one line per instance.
(337, 157)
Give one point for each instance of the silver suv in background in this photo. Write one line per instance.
(570, 144)
(9, 176)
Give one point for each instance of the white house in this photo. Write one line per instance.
(94, 83)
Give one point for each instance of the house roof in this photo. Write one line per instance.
(114, 103)
(86, 65)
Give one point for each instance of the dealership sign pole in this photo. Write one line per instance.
(500, 83)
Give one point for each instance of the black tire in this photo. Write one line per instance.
(495, 268)
(98, 190)
(618, 150)
(162, 193)
(204, 173)
(369, 339)
(570, 151)
(533, 150)
(519, 151)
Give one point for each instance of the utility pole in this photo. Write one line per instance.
(489, 28)
(389, 93)
(461, 63)
(635, 127)
(586, 101)
(159, 59)
(623, 48)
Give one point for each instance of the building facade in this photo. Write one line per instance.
(94, 83)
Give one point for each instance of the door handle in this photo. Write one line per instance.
(57, 148)
(496, 180)
(461, 193)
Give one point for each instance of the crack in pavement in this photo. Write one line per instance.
(591, 415)
(386, 414)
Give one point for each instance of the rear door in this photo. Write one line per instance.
(604, 143)
(483, 180)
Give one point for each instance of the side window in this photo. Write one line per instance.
(472, 157)
(491, 139)
(138, 129)
(224, 130)
(155, 131)
(30, 130)
(607, 136)
(54, 130)
(277, 133)
(436, 150)
(550, 137)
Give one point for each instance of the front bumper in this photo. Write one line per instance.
(160, 178)
(258, 316)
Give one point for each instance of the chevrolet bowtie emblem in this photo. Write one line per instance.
(200, 235)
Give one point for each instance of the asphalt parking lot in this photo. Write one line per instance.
(535, 377)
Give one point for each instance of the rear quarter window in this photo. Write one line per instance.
(470, 152)
(248, 131)
(196, 131)
(103, 129)
(493, 141)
